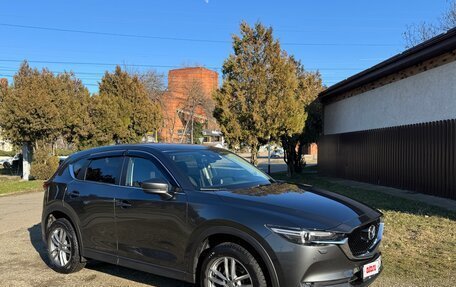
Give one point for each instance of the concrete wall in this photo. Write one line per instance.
(425, 97)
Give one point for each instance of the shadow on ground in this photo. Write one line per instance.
(118, 271)
(37, 243)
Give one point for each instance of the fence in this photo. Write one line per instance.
(420, 157)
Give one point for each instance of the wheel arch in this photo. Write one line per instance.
(238, 234)
(60, 211)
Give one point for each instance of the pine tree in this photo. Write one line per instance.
(28, 110)
(123, 112)
(303, 128)
(34, 111)
(258, 99)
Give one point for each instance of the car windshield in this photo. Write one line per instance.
(217, 169)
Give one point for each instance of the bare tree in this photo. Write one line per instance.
(420, 32)
(154, 83)
(196, 102)
(448, 20)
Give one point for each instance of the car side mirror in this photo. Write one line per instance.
(157, 186)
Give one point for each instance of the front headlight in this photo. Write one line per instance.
(302, 236)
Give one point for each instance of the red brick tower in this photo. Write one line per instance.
(175, 98)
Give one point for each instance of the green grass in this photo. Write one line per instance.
(14, 185)
(7, 153)
(419, 243)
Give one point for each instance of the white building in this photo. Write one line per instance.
(395, 124)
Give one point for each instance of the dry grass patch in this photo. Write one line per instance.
(419, 243)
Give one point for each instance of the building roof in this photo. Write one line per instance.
(429, 49)
(196, 69)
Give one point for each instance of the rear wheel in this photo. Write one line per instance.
(231, 265)
(63, 247)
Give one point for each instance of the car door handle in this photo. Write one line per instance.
(74, 194)
(123, 203)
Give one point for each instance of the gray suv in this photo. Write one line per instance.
(205, 216)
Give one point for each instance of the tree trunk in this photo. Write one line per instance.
(300, 164)
(289, 147)
(191, 137)
(290, 162)
(184, 135)
(26, 160)
(254, 154)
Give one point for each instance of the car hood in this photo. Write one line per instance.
(308, 207)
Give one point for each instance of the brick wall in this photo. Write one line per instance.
(179, 78)
(175, 97)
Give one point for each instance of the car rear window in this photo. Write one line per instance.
(78, 168)
(106, 170)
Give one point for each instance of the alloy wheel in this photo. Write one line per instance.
(60, 247)
(228, 272)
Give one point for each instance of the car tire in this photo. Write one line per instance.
(63, 247)
(247, 269)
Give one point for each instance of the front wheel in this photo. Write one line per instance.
(231, 265)
(63, 247)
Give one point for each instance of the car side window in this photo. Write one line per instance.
(106, 170)
(140, 170)
(78, 169)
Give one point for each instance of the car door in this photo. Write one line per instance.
(150, 228)
(91, 195)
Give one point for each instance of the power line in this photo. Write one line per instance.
(113, 34)
(97, 64)
(11, 76)
(152, 65)
(182, 39)
(57, 72)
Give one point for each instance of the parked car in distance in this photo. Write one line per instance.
(8, 161)
(205, 216)
(13, 164)
(277, 153)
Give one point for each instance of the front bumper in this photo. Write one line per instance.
(355, 281)
(317, 265)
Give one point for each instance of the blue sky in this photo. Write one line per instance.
(339, 38)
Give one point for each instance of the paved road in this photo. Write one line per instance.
(23, 259)
(277, 164)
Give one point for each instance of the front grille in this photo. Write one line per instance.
(358, 240)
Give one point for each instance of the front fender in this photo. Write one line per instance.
(220, 227)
